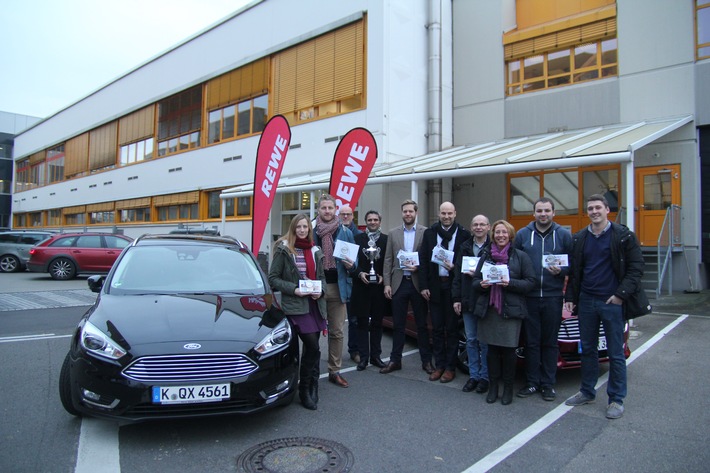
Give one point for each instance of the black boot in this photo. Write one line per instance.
(305, 396)
(508, 369)
(507, 397)
(492, 391)
(314, 385)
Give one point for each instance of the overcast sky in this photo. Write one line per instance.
(55, 52)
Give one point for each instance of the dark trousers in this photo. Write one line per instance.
(407, 294)
(369, 322)
(352, 331)
(310, 358)
(501, 364)
(541, 349)
(445, 327)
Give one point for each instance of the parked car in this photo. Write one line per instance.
(15, 248)
(567, 340)
(65, 255)
(183, 326)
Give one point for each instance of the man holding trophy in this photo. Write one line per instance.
(368, 301)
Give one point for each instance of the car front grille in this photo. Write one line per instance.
(569, 330)
(178, 368)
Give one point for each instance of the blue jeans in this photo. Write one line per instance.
(593, 310)
(541, 349)
(477, 351)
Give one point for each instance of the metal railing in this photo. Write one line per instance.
(669, 238)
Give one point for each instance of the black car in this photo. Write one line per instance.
(183, 326)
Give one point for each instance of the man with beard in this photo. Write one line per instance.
(440, 241)
(464, 302)
(368, 301)
(327, 231)
(401, 278)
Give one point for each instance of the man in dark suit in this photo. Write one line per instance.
(437, 255)
(368, 303)
(401, 280)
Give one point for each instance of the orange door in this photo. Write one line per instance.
(657, 188)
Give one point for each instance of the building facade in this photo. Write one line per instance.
(487, 103)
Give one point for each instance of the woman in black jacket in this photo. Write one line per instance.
(501, 306)
(296, 259)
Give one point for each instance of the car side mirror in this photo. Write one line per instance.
(95, 283)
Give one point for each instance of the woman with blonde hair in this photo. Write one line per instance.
(501, 305)
(297, 259)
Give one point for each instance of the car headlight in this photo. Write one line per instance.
(98, 343)
(279, 337)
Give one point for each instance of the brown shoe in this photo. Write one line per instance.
(436, 375)
(428, 367)
(448, 376)
(391, 366)
(338, 380)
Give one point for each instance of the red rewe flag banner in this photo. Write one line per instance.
(270, 158)
(353, 161)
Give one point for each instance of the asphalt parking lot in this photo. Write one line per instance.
(383, 423)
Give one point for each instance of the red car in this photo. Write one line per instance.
(65, 255)
(567, 340)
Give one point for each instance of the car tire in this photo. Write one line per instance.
(9, 264)
(62, 269)
(65, 389)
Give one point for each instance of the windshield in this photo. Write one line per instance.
(186, 269)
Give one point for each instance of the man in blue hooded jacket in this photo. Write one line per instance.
(541, 239)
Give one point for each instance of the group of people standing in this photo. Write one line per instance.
(498, 281)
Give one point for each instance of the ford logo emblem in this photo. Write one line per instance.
(192, 346)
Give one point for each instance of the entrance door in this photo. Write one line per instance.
(657, 188)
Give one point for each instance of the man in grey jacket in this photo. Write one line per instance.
(542, 240)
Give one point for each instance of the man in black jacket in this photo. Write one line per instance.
(368, 303)
(440, 244)
(607, 266)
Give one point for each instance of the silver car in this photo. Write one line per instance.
(15, 248)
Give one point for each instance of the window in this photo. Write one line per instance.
(573, 65)
(101, 217)
(323, 76)
(178, 212)
(702, 29)
(35, 219)
(135, 215)
(55, 164)
(75, 219)
(22, 176)
(54, 217)
(180, 121)
(294, 203)
(136, 152)
(237, 207)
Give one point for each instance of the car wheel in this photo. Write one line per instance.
(9, 264)
(65, 389)
(62, 269)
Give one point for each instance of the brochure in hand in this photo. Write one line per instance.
(309, 286)
(469, 263)
(345, 250)
(441, 255)
(561, 261)
(407, 258)
(495, 273)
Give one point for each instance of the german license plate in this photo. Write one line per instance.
(601, 345)
(190, 394)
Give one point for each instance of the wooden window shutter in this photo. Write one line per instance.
(133, 203)
(137, 126)
(37, 158)
(103, 207)
(285, 81)
(177, 199)
(349, 56)
(102, 146)
(77, 209)
(243, 83)
(561, 39)
(76, 155)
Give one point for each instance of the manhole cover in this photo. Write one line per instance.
(296, 455)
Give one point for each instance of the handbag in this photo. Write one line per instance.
(637, 305)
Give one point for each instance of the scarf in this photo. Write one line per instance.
(446, 235)
(305, 246)
(326, 230)
(499, 255)
(374, 236)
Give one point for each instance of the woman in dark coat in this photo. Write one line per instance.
(501, 307)
(296, 259)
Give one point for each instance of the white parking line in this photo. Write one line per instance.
(29, 338)
(511, 446)
(98, 447)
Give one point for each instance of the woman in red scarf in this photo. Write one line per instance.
(501, 306)
(296, 259)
